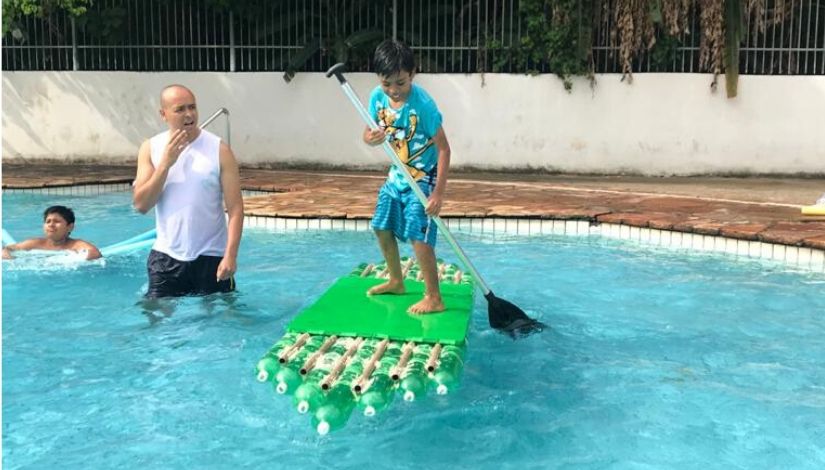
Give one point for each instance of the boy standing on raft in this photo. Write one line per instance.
(411, 122)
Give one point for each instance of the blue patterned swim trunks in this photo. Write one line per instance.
(402, 213)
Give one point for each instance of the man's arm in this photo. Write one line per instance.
(149, 180)
(437, 197)
(231, 186)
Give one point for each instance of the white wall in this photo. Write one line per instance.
(661, 124)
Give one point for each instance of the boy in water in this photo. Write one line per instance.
(410, 121)
(58, 223)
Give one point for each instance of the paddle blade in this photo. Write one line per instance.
(509, 319)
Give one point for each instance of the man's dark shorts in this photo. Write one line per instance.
(169, 277)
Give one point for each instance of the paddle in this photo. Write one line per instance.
(503, 315)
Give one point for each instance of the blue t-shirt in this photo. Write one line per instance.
(411, 130)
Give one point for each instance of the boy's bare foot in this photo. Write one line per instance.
(426, 305)
(388, 287)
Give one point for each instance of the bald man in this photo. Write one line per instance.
(188, 174)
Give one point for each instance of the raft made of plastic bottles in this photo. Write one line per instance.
(334, 361)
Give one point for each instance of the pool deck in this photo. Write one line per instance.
(763, 209)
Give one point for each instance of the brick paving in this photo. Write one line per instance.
(764, 209)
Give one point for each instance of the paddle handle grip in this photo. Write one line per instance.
(338, 71)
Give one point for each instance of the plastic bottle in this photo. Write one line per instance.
(287, 379)
(364, 356)
(379, 392)
(451, 362)
(357, 271)
(308, 395)
(268, 365)
(378, 395)
(379, 268)
(449, 273)
(466, 278)
(286, 341)
(288, 376)
(391, 356)
(367, 350)
(352, 372)
(414, 382)
(266, 368)
(335, 411)
(412, 274)
(335, 351)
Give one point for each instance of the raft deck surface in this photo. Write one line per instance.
(346, 310)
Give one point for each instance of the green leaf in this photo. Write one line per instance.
(301, 58)
(363, 37)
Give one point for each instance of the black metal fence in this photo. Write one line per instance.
(449, 36)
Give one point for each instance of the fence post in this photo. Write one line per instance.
(231, 42)
(395, 20)
(75, 62)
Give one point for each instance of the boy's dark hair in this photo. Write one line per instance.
(391, 57)
(62, 211)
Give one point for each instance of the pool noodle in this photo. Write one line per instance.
(129, 245)
(818, 209)
(148, 235)
(122, 248)
(7, 238)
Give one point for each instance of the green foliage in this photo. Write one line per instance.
(665, 52)
(245, 9)
(104, 26)
(15, 10)
(345, 43)
(557, 36)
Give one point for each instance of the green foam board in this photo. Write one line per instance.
(346, 310)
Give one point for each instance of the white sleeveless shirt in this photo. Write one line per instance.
(189, 214)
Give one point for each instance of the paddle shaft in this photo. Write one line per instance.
(410, 181)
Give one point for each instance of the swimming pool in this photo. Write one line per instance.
(656, 359)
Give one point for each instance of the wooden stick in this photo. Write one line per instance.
(292, 350)
(441, 268)
(330, 379)
(434, 354)
(369, 368)
(406, 352)
(406, 267)
(310, 362)
(366, 272)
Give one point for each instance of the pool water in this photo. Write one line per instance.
(655, 359)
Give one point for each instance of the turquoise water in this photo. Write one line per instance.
(655, 359)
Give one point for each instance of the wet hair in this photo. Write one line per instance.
(62, 211)
(391, 57)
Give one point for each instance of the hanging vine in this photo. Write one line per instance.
(634, 31)
(712, 39)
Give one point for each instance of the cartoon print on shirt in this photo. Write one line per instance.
(400, 139)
